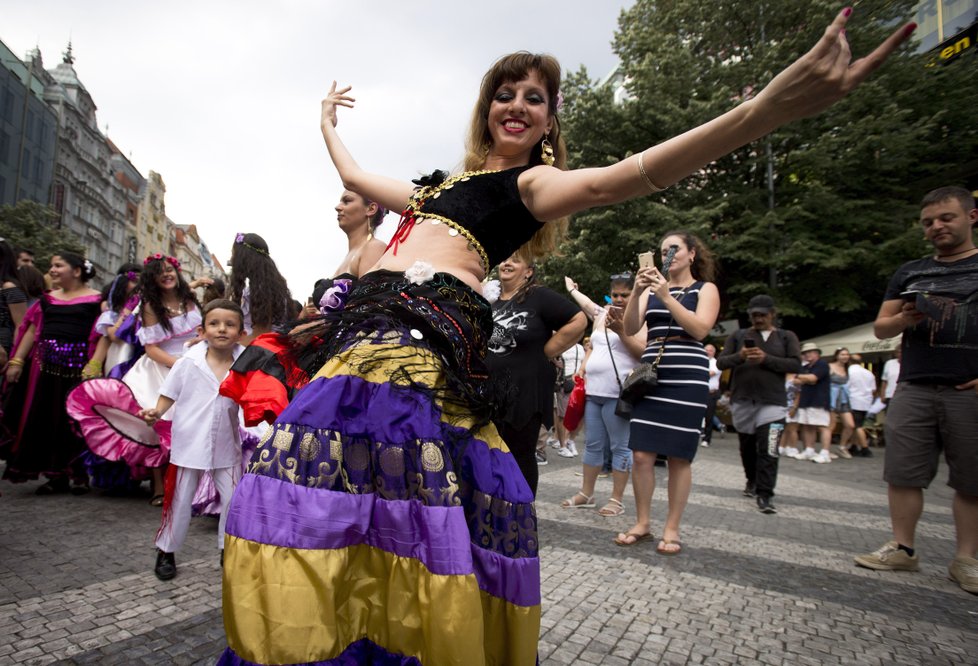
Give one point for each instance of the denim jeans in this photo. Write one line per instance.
(602, 427)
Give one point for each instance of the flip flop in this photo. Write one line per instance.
(571, 504)
(612, 509)
(637, 539)
(156, 501)
(662, 550)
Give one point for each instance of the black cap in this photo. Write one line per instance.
(761, 303)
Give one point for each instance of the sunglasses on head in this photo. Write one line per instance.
(622, 276)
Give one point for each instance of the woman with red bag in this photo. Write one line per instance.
(612, 356)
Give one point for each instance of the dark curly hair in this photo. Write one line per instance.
(269, 293)
(152, 296)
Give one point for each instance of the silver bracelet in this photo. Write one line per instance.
(653, 188)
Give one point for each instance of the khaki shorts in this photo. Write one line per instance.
(812, 416)
(560, 402)
(921, 421)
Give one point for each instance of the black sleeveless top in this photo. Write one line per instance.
(483, 206)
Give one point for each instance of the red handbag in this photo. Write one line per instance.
(575, 405)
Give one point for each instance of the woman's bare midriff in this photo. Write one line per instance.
(431, 244)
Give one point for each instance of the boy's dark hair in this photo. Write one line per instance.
(222, 304)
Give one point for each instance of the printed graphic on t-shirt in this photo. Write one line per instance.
(505, 325)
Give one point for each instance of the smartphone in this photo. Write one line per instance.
(749, 343)
(646, 260)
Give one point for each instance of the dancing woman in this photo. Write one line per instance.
(53, 345)
(382, 519)
(679, 309)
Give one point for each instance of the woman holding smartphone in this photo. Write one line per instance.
(680, 306)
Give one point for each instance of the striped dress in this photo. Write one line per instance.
(668, 420)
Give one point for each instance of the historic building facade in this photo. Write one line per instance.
(28, 131)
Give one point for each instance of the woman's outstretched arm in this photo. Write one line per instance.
(807, 87)
(389, 192)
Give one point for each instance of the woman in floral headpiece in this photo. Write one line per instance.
(51, 348)
(383, 520)
(168, 317)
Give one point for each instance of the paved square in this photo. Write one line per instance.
(77, 586)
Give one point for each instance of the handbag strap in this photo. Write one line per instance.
(614, 366)
(672, 320)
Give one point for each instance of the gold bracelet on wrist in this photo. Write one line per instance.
(16, 361)
(653, 188)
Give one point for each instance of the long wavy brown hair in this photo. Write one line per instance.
(510, 69)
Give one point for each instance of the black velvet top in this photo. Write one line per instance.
(483, 206)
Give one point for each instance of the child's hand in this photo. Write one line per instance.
(151, 416)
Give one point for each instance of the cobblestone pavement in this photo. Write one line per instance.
(76, 581)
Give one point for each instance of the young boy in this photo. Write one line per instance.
(205, 428)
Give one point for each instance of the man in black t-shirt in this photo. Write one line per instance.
(759, 358)
(933, 302)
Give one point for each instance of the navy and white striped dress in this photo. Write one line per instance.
(668, 420)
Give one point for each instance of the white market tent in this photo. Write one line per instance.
(858, 340)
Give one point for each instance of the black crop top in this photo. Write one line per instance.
(483, 206)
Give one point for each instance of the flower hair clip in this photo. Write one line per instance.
(239, 239)
(88, 266)
(132, 276)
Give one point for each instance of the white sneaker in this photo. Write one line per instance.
(807, 454)
(572, 446)
(791, 452)
(822, 458)
(553, 443)
(565, 452)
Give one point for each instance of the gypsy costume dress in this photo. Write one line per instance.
(382, 519)
(43, 441)
(667, 420)
(105, 408)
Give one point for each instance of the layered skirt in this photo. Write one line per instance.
(382, 519)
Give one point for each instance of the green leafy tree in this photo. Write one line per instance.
(819, 213)
(31, 225)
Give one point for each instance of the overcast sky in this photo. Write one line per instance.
(222, 98)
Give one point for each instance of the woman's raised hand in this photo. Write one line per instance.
(333, 99)
(569, 284)
(825, 74)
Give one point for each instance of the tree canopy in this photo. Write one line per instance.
(30, 225)
(836, 216)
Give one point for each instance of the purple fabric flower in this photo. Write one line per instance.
(335, 297)
(239, 238)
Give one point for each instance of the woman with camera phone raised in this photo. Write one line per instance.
(680, 306)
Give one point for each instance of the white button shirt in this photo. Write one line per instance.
(205, 423)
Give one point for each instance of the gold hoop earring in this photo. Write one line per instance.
(546, 151)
